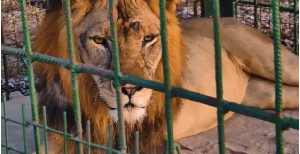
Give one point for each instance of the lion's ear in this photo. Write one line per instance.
(170, 6)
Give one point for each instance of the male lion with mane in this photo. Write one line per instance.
(247, 62)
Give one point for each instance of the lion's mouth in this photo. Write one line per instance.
(128, 106)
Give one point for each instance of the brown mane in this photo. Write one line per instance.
(51, 40)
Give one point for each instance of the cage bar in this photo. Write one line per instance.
(65, 133)
(278, 79)
(167, 85)
(117, 76)
(3, 100)
(88, 136)
(255, 14)
(109, 139)
(24, 128)
(281, 123)
(136, 141)
(218, 70)
(32, 91)
(71, 52)
(45, 129)
(176, 92)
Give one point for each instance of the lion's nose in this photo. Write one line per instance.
(130, 90)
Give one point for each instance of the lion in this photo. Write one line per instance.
(247, 70)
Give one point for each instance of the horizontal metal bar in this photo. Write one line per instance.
(70, 136)
(268, 5)
(176, 92)
(12, 149)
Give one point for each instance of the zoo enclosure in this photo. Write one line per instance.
(255, 13)
(281, 123)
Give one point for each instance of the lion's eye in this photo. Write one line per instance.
(98, 40)
(149, 38)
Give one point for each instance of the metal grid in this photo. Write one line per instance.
(13, 69)
(281, 122)
(244, 11)
(258, 14)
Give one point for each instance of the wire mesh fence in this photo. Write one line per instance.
(9, 48)
(245, 12)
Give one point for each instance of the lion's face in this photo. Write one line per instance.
(139, 54)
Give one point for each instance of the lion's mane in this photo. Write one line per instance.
(51, 39)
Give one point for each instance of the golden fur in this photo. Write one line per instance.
(51, 40)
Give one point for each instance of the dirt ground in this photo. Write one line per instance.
(243, 135)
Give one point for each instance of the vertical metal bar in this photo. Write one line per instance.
(6, 76)
(278, 84)
(71, 51)
(117, 76)
(32, 91)
(234, 9)
(88, 136)
(24, 128)
(167, 85)
(296, 28)
(3, 100)
(65, 132)
(165, 147)
(235, 3)
(255, 14)
(207, 8)
(5, 64)
(218, 69)
(136, 143)
(109, 139)
(45, 129)
(178, 149)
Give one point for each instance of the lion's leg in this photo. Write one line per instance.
(255, 52)
(260, 93)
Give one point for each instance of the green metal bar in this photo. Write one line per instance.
(3, 99)
(88, 136)
(234, 6)
(167, 84)
(110, 143)
(117, 76)
(278, 79)
(136, 143)
(45, 129)
(176, 92)
(4, 63)
(13, 149)
(207, 8)
(71, 51)
(178, 149)
(65, 133)
(218, 69)
(268, 5)
(24, 128)
(296, 29)
(29, 53)
(165, 147)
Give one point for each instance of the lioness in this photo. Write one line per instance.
(247, 62)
